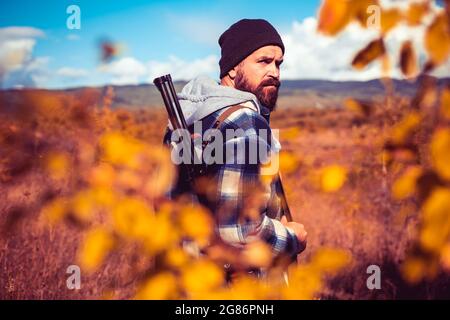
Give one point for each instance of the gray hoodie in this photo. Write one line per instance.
(203, 96)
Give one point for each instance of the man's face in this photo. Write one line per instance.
(259, 74)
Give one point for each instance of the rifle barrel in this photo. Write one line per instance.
(176, 117)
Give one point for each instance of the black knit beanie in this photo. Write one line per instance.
(244, 37)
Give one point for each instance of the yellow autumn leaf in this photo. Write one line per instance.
(416, 11)
(290, 133)
(414, 270)
(133, 218)
(245, 287)
(257, 254)
(437, 205)
(330, 260)
(289, 162)
(305, 282)
(102, 175)
(270, 169)
(445, 257)
(389, 19)
(332, 178)
(437, 39)
(408, 60)
(333, 16)
(196, 223)
(436, 220)
(121, 150)
(433, 237)
(55, 210)
(83, 205)
(445, 103)
(163, 172)
(164, 234)
(440, 152)
(103, 197)
(202, 276)
(371, 52)
(161, 286)
(354, 106)
(405, 186)
(359, 107)
(176, 257)
(403, 129)
(129, 179)
(95, 247)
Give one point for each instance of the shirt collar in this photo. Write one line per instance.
(265, 112)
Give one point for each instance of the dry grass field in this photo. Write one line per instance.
(361, 217)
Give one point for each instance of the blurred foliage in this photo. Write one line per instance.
(427, 117)
(123, 200)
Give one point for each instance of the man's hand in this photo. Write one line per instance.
(298, 229)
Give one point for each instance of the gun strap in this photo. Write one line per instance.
(216, 125)
(223, 116)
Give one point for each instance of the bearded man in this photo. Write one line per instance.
(251, 54)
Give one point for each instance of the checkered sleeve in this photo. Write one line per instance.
(237, 180)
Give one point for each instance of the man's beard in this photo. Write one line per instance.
(266, 95)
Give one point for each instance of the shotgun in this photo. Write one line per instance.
(177, 120)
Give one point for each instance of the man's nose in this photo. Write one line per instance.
(274, 71)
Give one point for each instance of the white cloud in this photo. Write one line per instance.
(127, 70)
(183, 70)
(18, 67)
(73, 73)
(312, 55)
(15, 53)
(12, 33)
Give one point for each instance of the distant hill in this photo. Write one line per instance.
(322, 93)
(293, 93)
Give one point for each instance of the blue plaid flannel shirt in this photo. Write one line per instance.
(233, 178)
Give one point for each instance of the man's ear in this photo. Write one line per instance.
(232, 73)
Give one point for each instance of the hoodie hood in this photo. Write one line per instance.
(203, 96)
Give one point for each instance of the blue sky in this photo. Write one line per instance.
(149, 30)
(155, 36)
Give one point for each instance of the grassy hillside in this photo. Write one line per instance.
(293, 93)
